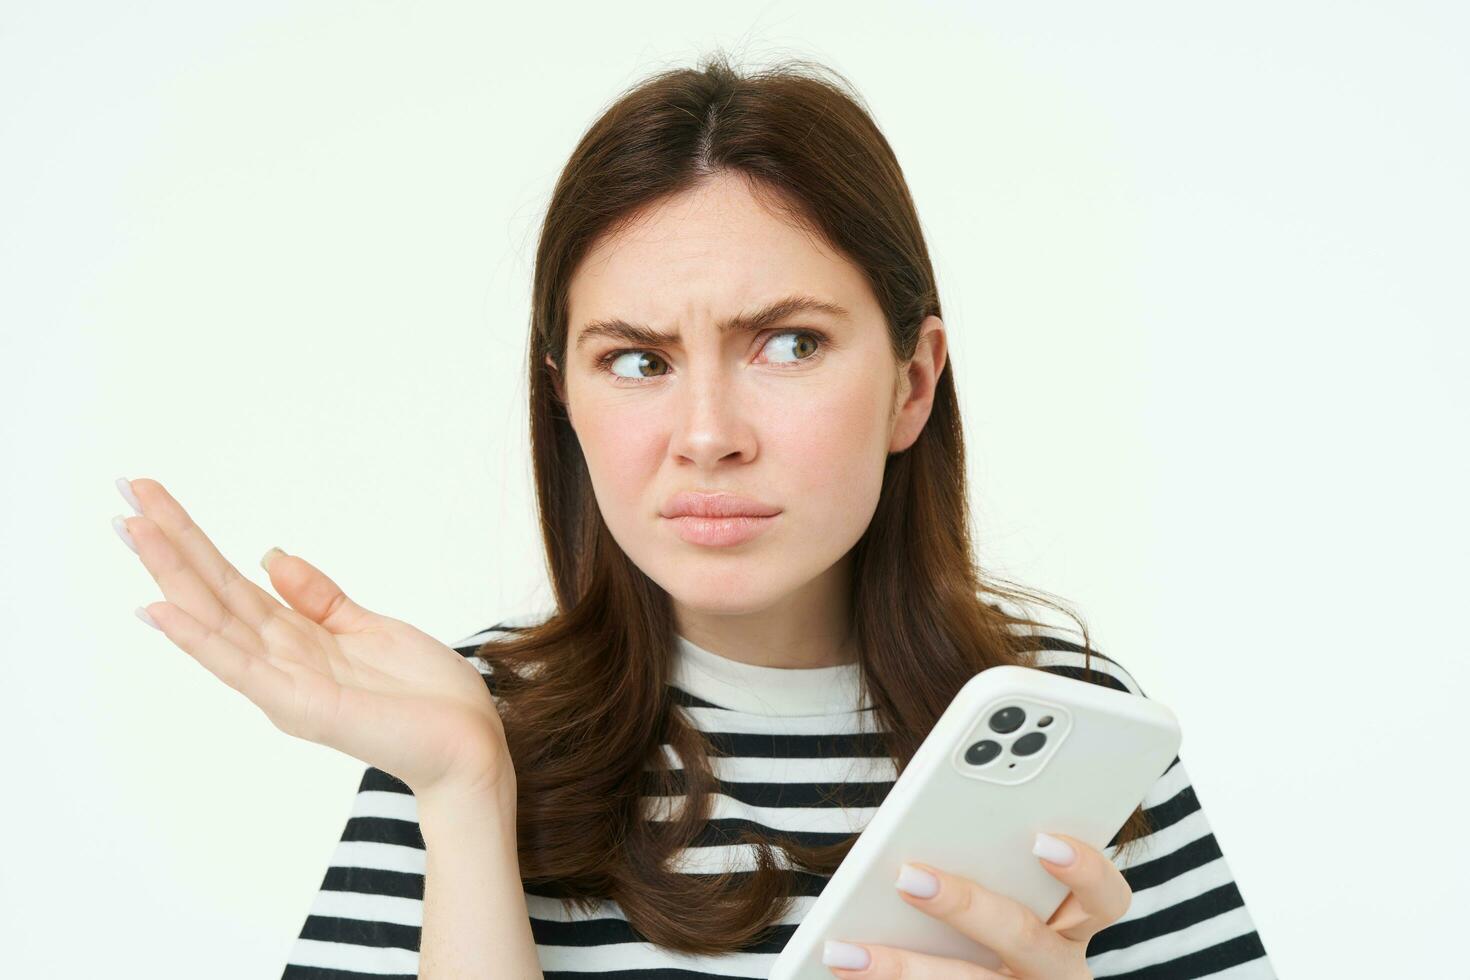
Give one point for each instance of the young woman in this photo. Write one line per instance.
(751, 476)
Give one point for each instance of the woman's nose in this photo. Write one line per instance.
(710, 424)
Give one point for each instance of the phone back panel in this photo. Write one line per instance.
(1098, 757)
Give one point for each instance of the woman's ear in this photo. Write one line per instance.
(915, 385)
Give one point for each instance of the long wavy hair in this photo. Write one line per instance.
(584, 693)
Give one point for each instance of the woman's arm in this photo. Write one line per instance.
(475, 924)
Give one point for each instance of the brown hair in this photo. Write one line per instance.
(585, 724)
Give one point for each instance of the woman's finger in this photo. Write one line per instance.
(309, 591)
(182, 586)
(247, 601)
(1100, 894)
(998, 922)
(892, 963)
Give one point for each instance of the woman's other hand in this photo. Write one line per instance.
(1029, 948)
(321, 668)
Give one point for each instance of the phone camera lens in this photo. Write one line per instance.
(1007, 720)
(1029, 744)
(982, 752)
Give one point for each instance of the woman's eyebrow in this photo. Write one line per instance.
(751, 322)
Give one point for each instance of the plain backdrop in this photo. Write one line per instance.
(1202, 269)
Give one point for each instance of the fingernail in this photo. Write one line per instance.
(265, 559)
(122, 532)
(1054, 850)
(844, 956)
(143, 615)
(917, 882)
(126, 489)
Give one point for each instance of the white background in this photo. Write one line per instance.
(1202, 269)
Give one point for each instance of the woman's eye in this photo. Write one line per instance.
(800, 335)
(635, 360)
(639, 362)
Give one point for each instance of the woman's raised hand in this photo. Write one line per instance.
(321, 668)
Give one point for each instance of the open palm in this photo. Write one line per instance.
(321, 668)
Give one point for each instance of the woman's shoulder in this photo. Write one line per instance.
(1060, 649)
(503, 628)
(1061, 654)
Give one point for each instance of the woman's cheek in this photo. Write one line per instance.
(834, 462)
(622, 449)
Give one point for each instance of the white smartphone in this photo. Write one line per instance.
(1018, 750)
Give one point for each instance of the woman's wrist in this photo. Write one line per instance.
(475, 919)
(451, 809)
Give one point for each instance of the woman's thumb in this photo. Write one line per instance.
(312, 594)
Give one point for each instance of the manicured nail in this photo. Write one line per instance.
(844, 956)
(268, 557)
(122, 532)
(126, 489)
(1054, 850)
(143, 615)
(917, 882)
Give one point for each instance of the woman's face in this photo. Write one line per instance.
(800, 415)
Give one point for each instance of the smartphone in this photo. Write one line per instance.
(1018, 750)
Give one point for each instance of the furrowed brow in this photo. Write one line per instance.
(751, 322)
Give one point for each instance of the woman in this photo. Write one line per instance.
(751, 477)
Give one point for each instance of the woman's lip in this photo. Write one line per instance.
(690, 503)
(720, 531)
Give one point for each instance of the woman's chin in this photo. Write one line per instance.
(722, 594)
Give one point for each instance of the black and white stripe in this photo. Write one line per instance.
(816, 777)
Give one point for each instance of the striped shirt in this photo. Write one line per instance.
(1187, 918)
